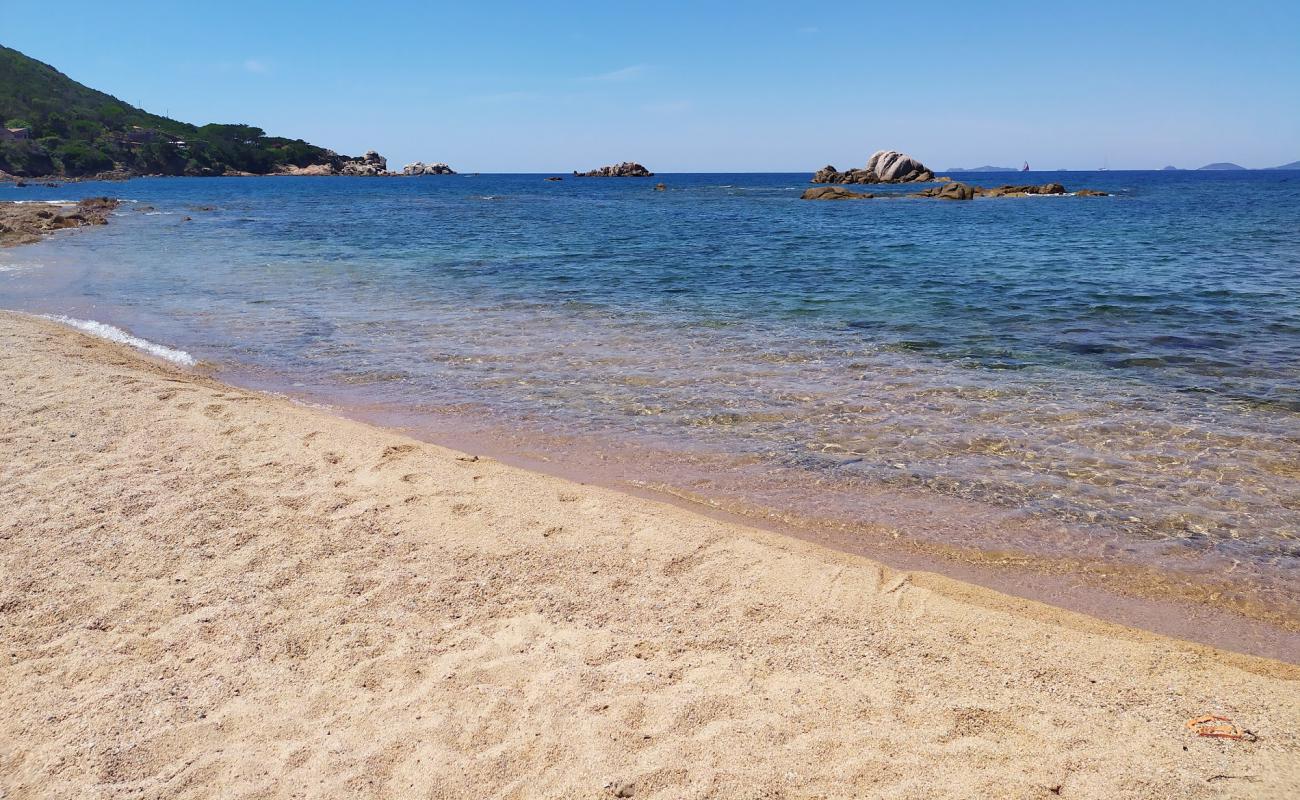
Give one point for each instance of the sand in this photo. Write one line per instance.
(208, 592)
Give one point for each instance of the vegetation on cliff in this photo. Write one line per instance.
(53, 125)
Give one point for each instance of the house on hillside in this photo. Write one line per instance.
(15, 134)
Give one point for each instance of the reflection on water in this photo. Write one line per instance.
(1109, 378)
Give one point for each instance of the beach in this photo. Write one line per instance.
(208, 591)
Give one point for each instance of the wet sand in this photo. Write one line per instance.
(211, 592)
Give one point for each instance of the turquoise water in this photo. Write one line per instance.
(1111, 377)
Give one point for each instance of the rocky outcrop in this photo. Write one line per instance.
(895, 167)
(828, 174)
(1007, 190)
(962, 191)
(421, 168)
(312, 170)
(833, 193)
(25, 223)
(884, 166)
(628, 169)
(950, 191)
(554, 178)
(371, 164)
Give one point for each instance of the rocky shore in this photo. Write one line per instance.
(627, 169)
(26, 223)
(369, 165)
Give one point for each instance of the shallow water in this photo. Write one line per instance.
(1090, 378)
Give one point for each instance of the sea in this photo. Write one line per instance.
(1097, 392)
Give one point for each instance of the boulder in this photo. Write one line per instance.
(956, 190)
(833, 193)
(627, 169)
(1008, 190)
(369, 165)
(25, 223)
(961, 191)
(310, 170)
(421, 168)
(829, 174)
(884, 166)
(894, 167)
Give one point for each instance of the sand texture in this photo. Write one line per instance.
(207, 592)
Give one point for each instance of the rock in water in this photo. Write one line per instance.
(833, 193)
(659, 187)
(421, 168)
(828, 174)
(951, 191)
(370, 164)
(961, 191)
(1008, 190)
(628, 169)
(892, 166)
(884, 166)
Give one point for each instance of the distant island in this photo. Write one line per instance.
(1223, 165)
(54, 126)
(1292, 165)
(1170, 168)
(627, 169)
(985, 168)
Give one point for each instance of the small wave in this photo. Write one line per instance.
(114, 334)
(45, 202)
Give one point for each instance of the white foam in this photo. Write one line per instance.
(113, 334)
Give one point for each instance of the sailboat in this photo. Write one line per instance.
(1025, 168)
(1106, 166)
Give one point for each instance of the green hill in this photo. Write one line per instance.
(65, 128)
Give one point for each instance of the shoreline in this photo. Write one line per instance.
(213, 590)
(1128, 593)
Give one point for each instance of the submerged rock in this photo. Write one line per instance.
(26, 223)
(628, 169)
(833, 193)
(553, 178)
(660, 187)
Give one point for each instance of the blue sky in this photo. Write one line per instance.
(700, 86)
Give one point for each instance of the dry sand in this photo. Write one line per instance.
(207, 592)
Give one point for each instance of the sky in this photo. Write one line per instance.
(706, 86)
